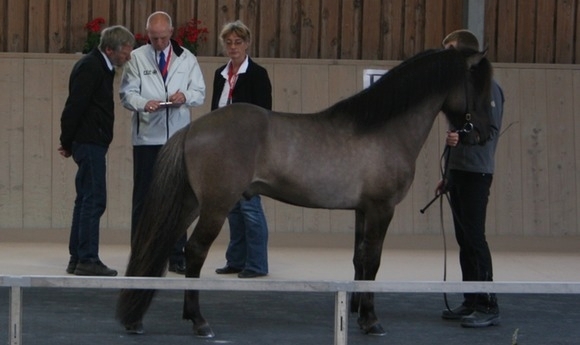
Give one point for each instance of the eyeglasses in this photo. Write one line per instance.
(234, 43)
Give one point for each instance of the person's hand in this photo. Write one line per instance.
(441, 187)
(63, 152)
(452, 138)
(177, 98)
(152, 106)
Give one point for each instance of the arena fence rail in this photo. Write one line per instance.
(339, 288)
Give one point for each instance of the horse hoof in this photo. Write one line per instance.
(376, 330)
(134, 328)
(203, 331)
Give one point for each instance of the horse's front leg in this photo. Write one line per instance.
(196, 252)
(368, 256)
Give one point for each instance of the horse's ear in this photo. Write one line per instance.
(475, 58)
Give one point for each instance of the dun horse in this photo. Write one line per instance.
(358, 154)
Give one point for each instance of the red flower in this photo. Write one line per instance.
(93, 34)
(190, 34)
(140, 39)
(95, 25)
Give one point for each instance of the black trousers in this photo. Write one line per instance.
(469, 194)
(143, 163)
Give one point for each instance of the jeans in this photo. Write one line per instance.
(144, 158)
(248, 247)
(90, 202)
(469, 194)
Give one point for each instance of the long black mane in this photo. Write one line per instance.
(429, 72)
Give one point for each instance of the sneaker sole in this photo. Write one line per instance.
(87, 273)
(492, 322)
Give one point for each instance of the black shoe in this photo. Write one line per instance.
(177, 267)
(94, 269)
(457, 313)
(480, 318)
(72, 265)
(250, 274)
(228, 270)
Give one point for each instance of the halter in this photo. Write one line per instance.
(468, 126)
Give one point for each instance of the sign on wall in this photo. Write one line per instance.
(372, 75)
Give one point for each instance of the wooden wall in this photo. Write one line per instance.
(535, 190)
(515, 30)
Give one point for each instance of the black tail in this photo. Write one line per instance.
(159, 228)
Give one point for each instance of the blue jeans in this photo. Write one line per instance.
(90, 202)
(248, 247)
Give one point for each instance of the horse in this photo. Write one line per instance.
(358, 154)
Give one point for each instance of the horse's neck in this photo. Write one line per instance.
(413, 128)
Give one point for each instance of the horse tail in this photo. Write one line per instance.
(159, 228)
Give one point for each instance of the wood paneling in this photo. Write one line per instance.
(57, 26)
(545, 34)
(535, 190)
(526, 35)
(329, 29)
(16, 19)
(38, 22)
(38, 148)
(565, 17)
(12, 141)
(514, 30)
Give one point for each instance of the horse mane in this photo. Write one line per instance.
(431, 71)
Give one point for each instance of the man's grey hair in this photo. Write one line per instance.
(115, 37)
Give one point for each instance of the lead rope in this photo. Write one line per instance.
(443, 164)
(444, 173)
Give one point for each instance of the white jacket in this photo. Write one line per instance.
(142, 82)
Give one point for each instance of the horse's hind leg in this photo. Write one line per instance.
(367, 260)
(196, 251)
(357, 262)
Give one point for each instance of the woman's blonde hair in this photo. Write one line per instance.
(237, 27)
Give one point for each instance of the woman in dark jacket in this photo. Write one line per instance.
(243, 80)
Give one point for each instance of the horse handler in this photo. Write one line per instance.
(470, 172)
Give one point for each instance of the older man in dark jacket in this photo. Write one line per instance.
(86, 132)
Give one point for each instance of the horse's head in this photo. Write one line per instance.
(469, 103)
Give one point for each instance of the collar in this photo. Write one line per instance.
(243, 68)
(165, 51)
(108, 61)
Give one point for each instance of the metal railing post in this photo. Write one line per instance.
(15, 322)
(341, 319)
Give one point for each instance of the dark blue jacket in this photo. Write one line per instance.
(89, 113)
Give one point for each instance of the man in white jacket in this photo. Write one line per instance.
(159, 85)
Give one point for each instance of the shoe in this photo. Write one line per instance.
(250, 274)
(480, 318)
(93, 269)
(135, 328)
(457, 313)
(177, 267)
(72, 265)
(228, 270)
